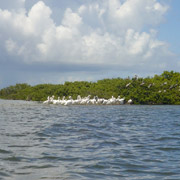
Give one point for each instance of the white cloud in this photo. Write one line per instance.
(71, 19)
(10, 46)
(136, 13)
(107, 33)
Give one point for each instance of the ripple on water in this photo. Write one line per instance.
(3, 174)
(170, 149)
(88, 142)
(2, 151)
(15, 159)
(46, 166)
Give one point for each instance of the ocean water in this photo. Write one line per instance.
(45, 142)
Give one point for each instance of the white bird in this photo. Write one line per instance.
(63, 101)
(93, 101)
(69, 101)
(121, 101)
(127, 85)
(56, 101)
(111, 101)
(130, 101)
(85, 101)
(47, 101)
(149, 85)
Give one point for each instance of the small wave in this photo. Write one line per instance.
(13, 158)
(134, 171)
(4, 174)
(95, 166)
(20, 146)
(15, 135)
(168, 148)
(167, 173)
(50, 158)
(23, 173)
(135, 166)
(16, 159)
(167, 138)
(2, 151)
(154, 160)
(41, 134)
(112, 143)
(39, 166)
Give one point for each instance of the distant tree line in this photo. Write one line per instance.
(160, 89)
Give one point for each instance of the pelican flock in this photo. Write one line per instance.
(87, 101)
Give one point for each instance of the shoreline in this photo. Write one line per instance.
(41, 102)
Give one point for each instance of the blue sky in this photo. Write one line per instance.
(169, 30)
(56, 41)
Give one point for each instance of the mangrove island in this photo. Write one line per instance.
(160, 89)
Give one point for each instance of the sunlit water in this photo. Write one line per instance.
(88, 142)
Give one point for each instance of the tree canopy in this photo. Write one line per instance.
(160, 89)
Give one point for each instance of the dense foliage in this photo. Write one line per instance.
(160, 89)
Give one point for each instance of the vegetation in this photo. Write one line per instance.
(160, 89)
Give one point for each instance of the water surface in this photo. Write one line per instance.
(88, 142)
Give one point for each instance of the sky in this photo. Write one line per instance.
(52, 41)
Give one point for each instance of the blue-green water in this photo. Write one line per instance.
(88, 142)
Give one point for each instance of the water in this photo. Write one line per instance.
(88, 142)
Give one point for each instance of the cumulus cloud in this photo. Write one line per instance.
(110, 33)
